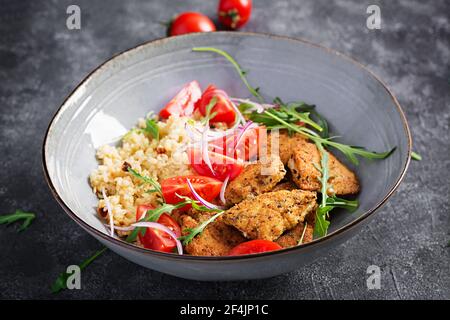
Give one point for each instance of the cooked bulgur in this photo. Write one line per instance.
(157, 159)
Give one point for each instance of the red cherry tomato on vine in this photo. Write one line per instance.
(254, 246)
(189, 22)
(234, 13)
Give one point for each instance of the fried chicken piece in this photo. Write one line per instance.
(255, 179)
(291, 237)
(268, 215)
(284, 145)
(303, 164)
(287, 185)
(217, 239)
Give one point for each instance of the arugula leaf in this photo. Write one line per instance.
(28, 217)
(317, 117)
(151, 181)
(293, 109)
(415, 156)
(242, 73)
(328, 203)
(195, 204)
(244, 107)
(153, 215)
(209, 107)
(151, 127)
(61, 282)
(335, 202)
(199, 229)
(322, 224)
(349, 151)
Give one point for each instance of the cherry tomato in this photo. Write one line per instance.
(254, 246)
(208, 188)
(156, 239)
(234, 13)
(245, 147)
(184, 102)
(223, 108)
(189, 22)
(141, 210)
(222, 165)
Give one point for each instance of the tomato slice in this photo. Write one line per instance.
(208, 188)
(244, 148)
(222, 165)
(156, 239)
(223, 108)
(141, 210)
(254, 246)
(184, 102)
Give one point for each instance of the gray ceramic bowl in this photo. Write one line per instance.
(110, 100)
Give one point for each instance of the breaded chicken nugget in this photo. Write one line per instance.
(217, 239)
(280, 141)
(255, 179)
(292, 237)
(268, 215)
(304, 162)
(288, 185)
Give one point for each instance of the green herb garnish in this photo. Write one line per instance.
(197, 230)
(151, 181)
(322, 224)
(61, 281)
(288, 113)
(153, 215)
(242, 73)
(195, 204)
(209, 107)
(349, 151)
(27, 218)
(415, 156)
(328, 203)
(151, 127)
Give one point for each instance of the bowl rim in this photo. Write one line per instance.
(173, 256)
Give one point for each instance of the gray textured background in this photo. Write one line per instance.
(41, 62)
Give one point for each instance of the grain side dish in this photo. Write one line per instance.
(215, 175)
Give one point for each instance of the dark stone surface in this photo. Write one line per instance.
(41, 61)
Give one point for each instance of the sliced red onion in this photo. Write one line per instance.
(256, 106)
(110, 214)
(158, 226)
(240, 117)
(207, 204)
(249, 125)
(222, 190)
(205, 151)
(191, 134)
